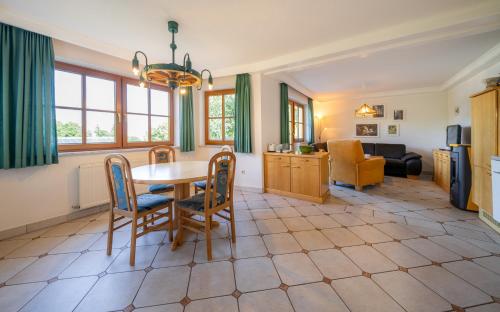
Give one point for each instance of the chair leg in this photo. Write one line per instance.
(195, 189)
(334, 182)
(133, 241)
(110, 232)
(170, 223)
(208, 237)
(178, 236)
(233, 229)
(144, 221)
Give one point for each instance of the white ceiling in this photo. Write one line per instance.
(231, 36)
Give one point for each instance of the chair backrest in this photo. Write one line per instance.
(346, 152)
(120, 184)
(161, 154)
(226, 148)
(221, 170)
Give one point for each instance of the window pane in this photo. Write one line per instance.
(215, 106)
(215, 129)
(159, 102)
(137, 99)
(137, 128)
(100, 93)
(229, 129)
(297, 111)
(159, 129)
(301, 131)
(69, 126)
(301, 114)
(100, 127)
(290, 112)
(68, 89)
(229, 105)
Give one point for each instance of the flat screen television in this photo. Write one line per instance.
(453, 135)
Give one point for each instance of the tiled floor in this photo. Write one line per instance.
(398, 247)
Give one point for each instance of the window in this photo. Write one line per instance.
(296, 122)
(219, 117)
(148, 114)
(89, 111)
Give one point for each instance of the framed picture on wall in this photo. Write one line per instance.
(380, 111)
(393, 130)
(399, 114)
(367, 130)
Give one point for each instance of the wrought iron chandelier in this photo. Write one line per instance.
(172, 74)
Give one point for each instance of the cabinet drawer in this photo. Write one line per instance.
(278, 158)
(305, 161)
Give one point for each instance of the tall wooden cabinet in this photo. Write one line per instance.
(442, 169)
(485, 137)
(300, 176)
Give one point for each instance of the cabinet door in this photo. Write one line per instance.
(476, 185)
(476, 125)
(439, 172)
(486, 195)
(306, 179)
(446, 172)
(277, 175)
(488, 128)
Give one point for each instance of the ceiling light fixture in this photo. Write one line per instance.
(365, 111)
(171, 74)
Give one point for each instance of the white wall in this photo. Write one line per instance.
(422, 130)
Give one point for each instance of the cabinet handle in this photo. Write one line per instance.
(488, 173)
(295, 166)
(285, 166)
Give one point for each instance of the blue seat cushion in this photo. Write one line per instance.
(161, 187)
(201, 184)
(149, 201)
(197, 202)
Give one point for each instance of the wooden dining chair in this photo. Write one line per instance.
(159, 155)
(124, 203)
(216, 200)
(202, 185)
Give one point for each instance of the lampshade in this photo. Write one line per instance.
(365, 111)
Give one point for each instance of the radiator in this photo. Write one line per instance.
(93, 189)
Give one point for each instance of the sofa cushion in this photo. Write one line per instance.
(395, 163)
(395, 151)
(369, 148)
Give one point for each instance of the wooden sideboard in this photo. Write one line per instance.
(300, 176)
(442, 169)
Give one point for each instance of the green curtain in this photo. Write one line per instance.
(284, 118)
(187, 123)
(27, 107)
(242, 112)
(310, 120)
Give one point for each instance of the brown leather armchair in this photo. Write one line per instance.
(348, 164)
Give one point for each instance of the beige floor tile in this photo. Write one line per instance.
(174, 307)
(29, 235)
(369, 259)
(370, 234)
(76, 243)
(120, 239)
(221, 250)
(412, 295)
(286, 212)
(271, 226)
(296, 269)
(90, 263)
(389, 216)
(242, 215)
(309, 210)
(464, 233)
(12, 298)
(181, 256)
(312, 240)
(153, 238)
(64, 229)
(211, 279)
(262, 214)
(492, 307)
(491, 263)
(274, 300)
(478, 276)
(370, 218)
(397, 231)
(459, 246)
(255, 274)
(7, 246)
(347, 219)
(10, 267)
(248, 246)
(361, 294)
(97, 226)
(342, 237)
(218, 304)
(436, 216)
(278, 203)
(298, 224)
(488, 246)
(257, 204)
(318, 297)
(333, 264)
(401, 255)
(449, 286)
(37, 247)
(431, 250)
(161, 286)
(221, 231)
(112, 292)
(281, 243)
(323, 222)
(144, 256)
(246, 228)
(330, 208)
(426, 228)
(62, 295)
(44, 269)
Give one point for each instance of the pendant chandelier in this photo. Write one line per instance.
(365, 111)
(171, 75)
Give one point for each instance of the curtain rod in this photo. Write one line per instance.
(296, 90)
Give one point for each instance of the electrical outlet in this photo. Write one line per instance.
(243, 172)
(75, 206)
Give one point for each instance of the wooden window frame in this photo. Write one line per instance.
(149, 143)
(292, 120)
(223, 117)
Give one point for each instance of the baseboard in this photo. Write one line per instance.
(250, 189)
(486, 218)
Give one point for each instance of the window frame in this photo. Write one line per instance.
(149, 143)
(292, 121)
(223, 117)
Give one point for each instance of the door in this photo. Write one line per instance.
(277, 175)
